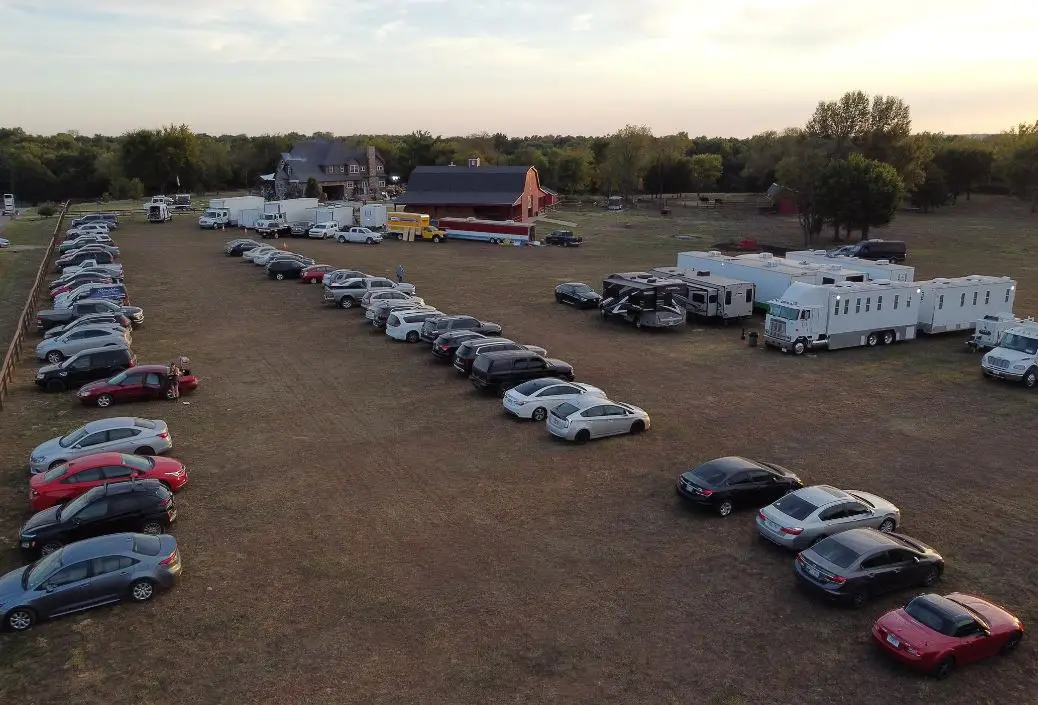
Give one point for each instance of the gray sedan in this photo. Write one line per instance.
(122, 434)
(806, 516)
(89, 573)
(56, 349)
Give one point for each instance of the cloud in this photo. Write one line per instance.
(582, 22)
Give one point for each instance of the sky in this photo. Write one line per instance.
(456, 67)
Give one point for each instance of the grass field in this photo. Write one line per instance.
(18, 266)
(362, 527)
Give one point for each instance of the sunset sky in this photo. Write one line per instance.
(522, 67)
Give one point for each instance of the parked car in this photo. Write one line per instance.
(290, 257)
(444, 347)
(4, 242)
(724, 484)
(806, 516)
(46, 320)
(90, 265)
(583, 419)
(348, 293)
(936, 634)
(280, 269)
(357, 234)
(535, 398)
(380, 314)
(500, 371)
(85, 366)
(856, 564)
(56, 349)
(84, 275)
(79, 280)
(109, 219)
(374, 297)
(251, 254)
(323, 230)
(435, 327)
(87, 228)
(123, 434)
(263, 258)
(83, 240)
(340, 276)
(107, 320)
(241, 247)
(577, 294)
(82, 256)
(467, 352)
(89, 573)
(563, 238)
(69, 480)
(140, 383)
(112, 292)
(314, 274)
(300, 228)
(874, 249)
(406, 325)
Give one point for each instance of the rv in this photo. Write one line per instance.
(955, 304)
(223, 212)
(991, 327)
(1015, 358)
(876, 269)
(770, 276)
(710, 295)
(842, 315)
(644, 300)
(159, 213)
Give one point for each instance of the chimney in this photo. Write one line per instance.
(473, 162)
(373, 173)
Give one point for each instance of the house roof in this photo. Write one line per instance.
(457, 185)
(309, 156)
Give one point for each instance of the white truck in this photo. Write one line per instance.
(991, 327)
(842, 315)
(710, 295)
(225, 212)
(1015, 358)
(951, 304)
(356, 234)
(770, 275)
(876, 269)
(159, 213)
(374, 216)
(8, 208)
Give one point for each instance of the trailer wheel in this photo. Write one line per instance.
(1030, 378)
(799, 347)
(872, 340)
(888, 337)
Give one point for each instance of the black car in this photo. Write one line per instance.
(83, 367)
(79, 256)
(854, 565)
(726, 483)
(240, 248)
(500, 371)
(892, 250)
(431, 330)
(45, 320)
(138, 505)
(577, 294)
(563, 238)
(467, 351)
(300, 228)
(444, 347)
(285, 269)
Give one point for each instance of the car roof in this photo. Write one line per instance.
(502, 354)
(106, 348)
(731, 464)
(823, 495)
(587, 402)
(863, 540)
(97, 546)
(95, 460)
(575, 284)
(113, 422)
(475, 343)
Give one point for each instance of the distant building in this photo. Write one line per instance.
(476, 191)
(783, 200)
(342, 172)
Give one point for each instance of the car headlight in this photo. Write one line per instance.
(984, 360)
(1020, 367)
(39, 375)
(82, 393)
(61, 374)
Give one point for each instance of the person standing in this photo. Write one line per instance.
(400, 273)
(174, 380)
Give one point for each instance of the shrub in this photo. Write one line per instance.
(47, 210)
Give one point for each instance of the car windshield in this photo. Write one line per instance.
(796, 507)
(118, 379)
(787, 312)
(55, 472)
(709, 475)
(1019, 343)
(72, 438)
(565, 410)
(137, 462)
(923, 612)
(528, 388)
(837, 553)
(43, 569)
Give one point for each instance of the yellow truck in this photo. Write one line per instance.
(413, 226)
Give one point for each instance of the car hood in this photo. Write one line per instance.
(45, 345)
(48, 369)
(47, 449)
(93, 387)
(11, 583)
(1012, 356)
(561, 364)
(41, 520)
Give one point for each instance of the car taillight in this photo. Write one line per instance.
(760, 515)
(34, 493)
(171, 559)
(133, 363)
(796, 531)
(838, 579)
(800, 559)
(445, 347)
(704, 492)
(164, 435)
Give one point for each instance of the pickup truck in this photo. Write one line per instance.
(348, 294)
(357, 234)
(45, 320)
(563, 238)
(273, 225)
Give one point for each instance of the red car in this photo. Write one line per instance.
(69, 480)
(935, 634)
(315, 273)
(135, 384)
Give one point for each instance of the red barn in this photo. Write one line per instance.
(485, 192)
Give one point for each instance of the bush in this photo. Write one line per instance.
(47, 210)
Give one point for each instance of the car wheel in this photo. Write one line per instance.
(142, 590)
(50, 547)
(637, 427)
(1012, 642)
(539, 414)
(944, 668)
(887, 526)
(872, 340)
(55, 385)
(145, 450)
(151, 527)
(436, 239)
(279, 276)
(859, 598)
(369, 241)
(558, 299)
(932, 576)
(20, 618)
(724, 508)
(1030, 378)
(346, 302)
(412, 337)
(104, 401)
(888, 338)
(54, 357)
(799, 347)
(583, 436)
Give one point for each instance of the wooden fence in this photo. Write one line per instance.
(14, 350)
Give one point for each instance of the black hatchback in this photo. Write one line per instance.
(85, 366)
(726, 483)
(144, 506)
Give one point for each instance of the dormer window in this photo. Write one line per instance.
(342, 168)
(380, 168)
(354, 169)
(331, 170)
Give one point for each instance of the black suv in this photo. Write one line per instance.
(500, 371)
(433, 329)
(286, 268)
(83, 367)
(138, 505)
(444, 347)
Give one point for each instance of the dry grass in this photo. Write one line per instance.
(362, 527)
(18, 266)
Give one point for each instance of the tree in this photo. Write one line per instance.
(964, 167)
(665, 152)
(626, 157)
(1018, 162)
(858, 194)
(313, 190)
(798, 171)
(933, 192)
(573, 171)
(705, 171)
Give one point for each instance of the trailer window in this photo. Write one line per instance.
(1007, 295)
(713, 298)
(987, 297)
(836, 311)
(879, 303)
(897, 298)
(749, 296)
(728, 298)
(846, 306)
(857, 305)
(940, 302)
(699, 298)
(975, 294)
(868, 303)
(908, 301)
(962, 299)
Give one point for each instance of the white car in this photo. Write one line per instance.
(250, 255)
(583, 419)
(4, 242)
(263, 258)
(534, 399)
(323, 230)
(358, 234)
(87, 229)
(406, 325)
(373, 298)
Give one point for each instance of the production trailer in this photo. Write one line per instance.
(227, 211)
(842, 315)
(991, 327)
(770, 276)
(496, 232)
(249, 217)
(953, 304)
(710, 295)
(293, 209)
(340, 215)
(374, 216)
(876, 269)
(644, 300)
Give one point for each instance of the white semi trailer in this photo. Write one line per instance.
(227, 211)
(951, 304)
(876, 269)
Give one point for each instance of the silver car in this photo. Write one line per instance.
(121, 434)
(806, 516)
(56, 349)
(534, 399)
(89, 320)
(377, 307)
(89, 573)
(580, 420)
(256, 252)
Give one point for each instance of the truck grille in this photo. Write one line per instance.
(999, 362)
(777, 328)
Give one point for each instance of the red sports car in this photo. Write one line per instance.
(135, 384)
(69, 480)
(935, 634)
(315, 273)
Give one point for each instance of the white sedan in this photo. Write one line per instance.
(534, 399)
(251, 255)
(4, 242)
(583, 419)
(323, 230)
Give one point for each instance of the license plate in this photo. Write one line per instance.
(26, 544)
(771, 525)
(893, 641)
(813, 572)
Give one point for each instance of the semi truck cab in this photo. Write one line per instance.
(788, 325)
(1015, 358)
(214, 218)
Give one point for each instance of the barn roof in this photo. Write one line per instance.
(470, 186)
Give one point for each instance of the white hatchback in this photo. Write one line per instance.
(583, 419)
(534, 399)
(407, 325)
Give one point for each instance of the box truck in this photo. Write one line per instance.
(224, 212)
(951, 304)
(292, 209)
(374, 216)
(1015, 358)
(710, 295)
(340, 215)
(876, 269)
(412, 227)
(770, 275)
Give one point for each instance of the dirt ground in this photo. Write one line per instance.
(362, 527)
